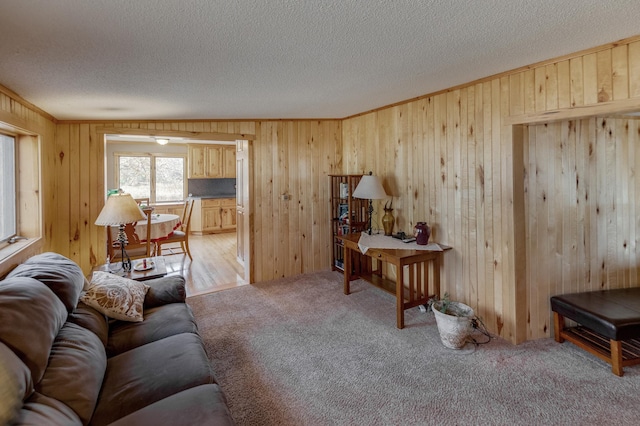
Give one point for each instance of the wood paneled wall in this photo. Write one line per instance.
(294, 158)
(582, 204)
(441, 162)
(449, 159)
(290, 157)
(25, 118)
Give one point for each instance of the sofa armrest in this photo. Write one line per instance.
(165, 290)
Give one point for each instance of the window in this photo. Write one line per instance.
(20, 203)
(7, 188)
(160, 177)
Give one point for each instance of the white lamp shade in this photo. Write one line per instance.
(370, 188)
(119, 209)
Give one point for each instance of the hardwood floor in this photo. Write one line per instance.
(214, 266)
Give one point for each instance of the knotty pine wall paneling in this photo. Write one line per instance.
(61, 235)
(28, 119)
(292, 157)
(448, 158)
(582, 192)
(78, 178)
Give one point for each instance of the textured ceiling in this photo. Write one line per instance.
(172, 59)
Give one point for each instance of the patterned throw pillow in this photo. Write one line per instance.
(116, 297)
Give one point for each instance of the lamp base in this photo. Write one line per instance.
(113, 270)
(124, 257)
(126, 260)
(370, 214)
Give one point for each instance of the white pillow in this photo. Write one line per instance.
(116, 297)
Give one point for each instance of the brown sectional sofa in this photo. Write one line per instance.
(64, 363)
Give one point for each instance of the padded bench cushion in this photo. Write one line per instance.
(612, 313)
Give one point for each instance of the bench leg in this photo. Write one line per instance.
(558, 326)
(616, 357)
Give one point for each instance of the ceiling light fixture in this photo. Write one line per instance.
(162, 141)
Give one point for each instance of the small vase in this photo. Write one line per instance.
(422, 232)
(387, 222)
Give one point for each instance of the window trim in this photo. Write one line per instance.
(29, 202)
(16, 184)
(152, 156)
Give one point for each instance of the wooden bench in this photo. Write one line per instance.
(608, 324)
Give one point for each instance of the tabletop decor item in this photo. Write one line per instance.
(422, 232)
(144, 266)
(388, 220)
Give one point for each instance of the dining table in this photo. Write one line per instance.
(162, 226)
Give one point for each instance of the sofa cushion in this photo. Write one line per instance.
(165, 290)
(201, 405)
(62, 275)
(159, 322)
(116, 297)
(149, 373)
(30, 317)
(87, 317)
(43, 410)
(76, 367)
(15, 385)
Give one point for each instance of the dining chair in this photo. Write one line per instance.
(178, 241)
(142, 201)
(136, 247)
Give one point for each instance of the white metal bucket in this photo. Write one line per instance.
(453, 329)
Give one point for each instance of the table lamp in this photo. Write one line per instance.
(370, 188)
(119, 210)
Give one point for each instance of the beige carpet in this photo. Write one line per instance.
(298, 351)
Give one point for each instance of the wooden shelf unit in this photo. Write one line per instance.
(348, 214)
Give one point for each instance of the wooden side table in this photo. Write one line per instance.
(421, 265)
(158, 270)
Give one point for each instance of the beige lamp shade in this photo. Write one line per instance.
(120, 209)
(370, 188)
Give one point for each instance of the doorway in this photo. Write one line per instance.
(574, 204)
(214, 267)
(231, 264)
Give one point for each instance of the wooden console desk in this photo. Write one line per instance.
(423, 268)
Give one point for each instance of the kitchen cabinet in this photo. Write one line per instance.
(211, 215)
(197, 159)
(229, 161)
(228, 215)
(211, 161)
(213, 164)
(169, 208)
